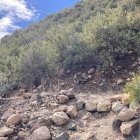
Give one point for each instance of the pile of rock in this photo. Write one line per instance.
(84, 77)
(129, 122)
(125, 114)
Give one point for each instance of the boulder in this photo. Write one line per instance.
(62, 136)
(91, 106)
(126, 114)
(117, 107)
(62, 99)
(13, 120)
(104, 106)
(72, 111)
(5, 131)
(60, 118)
(128, 127)
(42, 133)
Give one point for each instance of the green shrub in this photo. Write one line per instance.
(33, 67)
(133, 89)
(8, 88)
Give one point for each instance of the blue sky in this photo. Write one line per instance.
(18, 14)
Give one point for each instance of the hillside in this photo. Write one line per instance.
(94, 34)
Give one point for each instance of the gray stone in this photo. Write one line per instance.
(117, 107)
(41, 133)
(79, 105)
(13, 120)
(62, 136)
(5, 131)
(71, 126)
(60, 118)
(128, 127)
(126, 114)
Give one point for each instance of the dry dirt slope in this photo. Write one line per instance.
(37, 110)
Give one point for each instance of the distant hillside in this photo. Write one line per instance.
(81, 12)
(94, 33)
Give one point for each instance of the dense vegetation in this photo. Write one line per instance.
(133, 89)
(94, 33)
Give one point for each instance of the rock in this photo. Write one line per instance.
(40, 122)
(126, 114)
(116, 98)
(13, 120)
(91, 71)
(88, 136)
(87, 116)
(62, 84)
(57, 110)
(128, 127)
(84, 77)
(71, 96)
(27, 95)
(104, 106)
(72, 111)
(44, 113)
(34, 104)
(120, 82)
(21, 92)
(42, 133)
(43, 94)
(91, 106)
(63, 108)
(62, 136)
(79, 105)
(3, 138)
(35, 97)
(63, 92)
(35, 91)
(62, 99)
(125, 99)
(60, 118)
(5, 131)
(7, 114)
(23, 134)
(40, 88)
(117, 107)
(71, 126)
(53, 105)
(90, 76)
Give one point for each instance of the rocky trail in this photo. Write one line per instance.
(64, 116)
